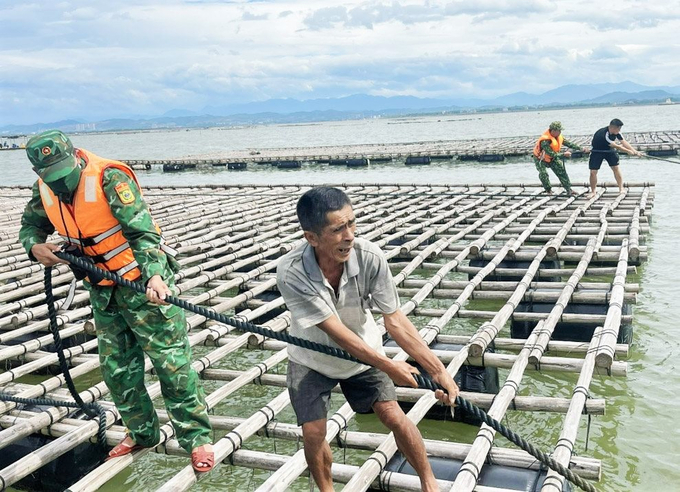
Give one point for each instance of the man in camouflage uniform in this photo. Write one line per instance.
(128, 324)
(548, 158)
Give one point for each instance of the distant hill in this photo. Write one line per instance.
(623, 97)
(363, 106)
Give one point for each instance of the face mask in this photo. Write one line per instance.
(66, 185)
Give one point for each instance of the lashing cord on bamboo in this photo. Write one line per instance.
(243, 326)
(93, 409)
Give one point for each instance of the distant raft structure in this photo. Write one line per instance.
(494, 276)
(656, 144)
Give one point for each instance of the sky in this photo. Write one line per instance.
(95, 60)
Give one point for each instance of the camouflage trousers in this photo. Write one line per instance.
(124, 336)
(557, 167)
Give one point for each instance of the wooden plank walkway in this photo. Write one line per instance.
(469, 262)
(658, 143)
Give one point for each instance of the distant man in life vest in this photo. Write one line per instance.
(606, 142)
(329, 285)
(96, 206)
(546, 156)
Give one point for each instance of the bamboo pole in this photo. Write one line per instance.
(294, 466)
(565, 444)
(411, 395)
(230, 442)
(605, 350)
(470, 469)
(547, 327)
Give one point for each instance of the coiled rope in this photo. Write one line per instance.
(93, 409)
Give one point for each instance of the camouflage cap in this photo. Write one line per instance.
(51, 154)
(555, 125)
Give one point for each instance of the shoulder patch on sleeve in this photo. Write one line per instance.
(125, 193)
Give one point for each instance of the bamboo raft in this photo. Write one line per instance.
(658, 143)
(465, 259)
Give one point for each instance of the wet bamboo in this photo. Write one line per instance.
(594, 319)
(410, 395)
(108, 470)
(583, 466)
(487, 285)
(18, 288)
(37, 343)
(544, 333)
(12, 374)
(36, 459)
(471, 468)
(605, 351)
(26, 302)
(228, 444)
(294, 466)
(558, 346)
(61, 319)
(49, 384)
(514, 272)
(36, 312)
(526, 234)
(565, 444)
(517, 344)
(634, 247)
(434, 250)
(373, 466)
(531, 295)
(567, 318)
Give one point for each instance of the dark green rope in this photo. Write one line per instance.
(423, 382)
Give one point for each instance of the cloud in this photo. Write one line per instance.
(96, 59)
(637, 15)
(249, 16)
(608, 52)
(326, 17)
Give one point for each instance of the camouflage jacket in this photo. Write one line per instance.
(137, 227)
(545, 146)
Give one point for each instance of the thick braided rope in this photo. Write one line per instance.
(422, 381)
(93, 409)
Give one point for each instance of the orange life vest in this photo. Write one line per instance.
(88, 222)
(555, 144)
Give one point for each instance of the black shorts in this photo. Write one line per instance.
(596, 159)
(310, 391)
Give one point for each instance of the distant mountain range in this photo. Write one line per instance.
(364, 106)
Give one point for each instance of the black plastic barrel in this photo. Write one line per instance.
(491, 158)
(363, 162)
(573, 332)
(469, 378)
(662, 153)
(170, 167)
(288, 164)
(496, 476)
(236, 165)
(418, 160)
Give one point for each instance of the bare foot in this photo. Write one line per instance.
(549, 192)
(621, 191)
(591, 194)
